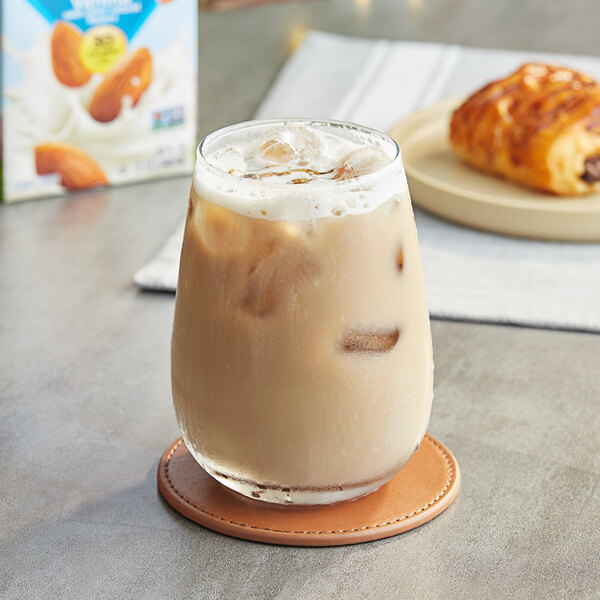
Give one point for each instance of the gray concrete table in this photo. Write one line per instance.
(85, 406)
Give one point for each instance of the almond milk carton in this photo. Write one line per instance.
(96, 93)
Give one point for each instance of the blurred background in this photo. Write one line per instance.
(243, 43)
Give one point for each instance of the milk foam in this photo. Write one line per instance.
(298, 170)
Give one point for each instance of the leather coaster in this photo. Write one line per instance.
(422, 490)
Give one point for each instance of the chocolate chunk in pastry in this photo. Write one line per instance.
(592, 169)
(539, 127)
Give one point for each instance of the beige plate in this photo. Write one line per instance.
(440, 183)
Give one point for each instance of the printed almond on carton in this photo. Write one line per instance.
(129, 77)
(114, 81)
(77, 169)
(66, 63)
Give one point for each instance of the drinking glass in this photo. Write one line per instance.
(302, 367)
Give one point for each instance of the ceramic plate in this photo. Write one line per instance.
(440, 183)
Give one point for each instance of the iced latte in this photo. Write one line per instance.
(301, 357)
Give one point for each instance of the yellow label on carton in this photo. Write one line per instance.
(101, 47)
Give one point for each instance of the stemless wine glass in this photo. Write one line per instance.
(302, 367)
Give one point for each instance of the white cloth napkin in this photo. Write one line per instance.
(469, 274)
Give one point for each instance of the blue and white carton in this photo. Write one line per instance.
(96, 93)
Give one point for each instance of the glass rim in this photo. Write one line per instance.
(367, 178)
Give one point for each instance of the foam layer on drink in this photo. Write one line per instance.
(284, 170)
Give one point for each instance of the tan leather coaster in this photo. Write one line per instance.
(421, 491)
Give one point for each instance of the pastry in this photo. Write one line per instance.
(539, 127)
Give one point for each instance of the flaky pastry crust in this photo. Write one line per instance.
(539, 127)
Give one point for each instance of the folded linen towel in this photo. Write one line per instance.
(469, 275)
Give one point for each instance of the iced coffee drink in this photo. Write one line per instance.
(301, 358)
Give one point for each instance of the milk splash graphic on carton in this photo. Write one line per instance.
(96, 92)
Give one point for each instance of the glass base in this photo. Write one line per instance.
(297, 496)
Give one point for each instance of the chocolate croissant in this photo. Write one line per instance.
(539, 127)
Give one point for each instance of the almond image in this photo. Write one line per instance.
(78, 170)
(129, 77)
(66, 63)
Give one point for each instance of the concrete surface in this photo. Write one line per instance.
(85, 409)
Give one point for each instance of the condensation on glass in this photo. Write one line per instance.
(301, 355)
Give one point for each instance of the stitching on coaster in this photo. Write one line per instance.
(431, 440)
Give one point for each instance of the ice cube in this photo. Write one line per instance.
(273, 278)
(316, 151)
(277, 151)
(260, 297)
(222, 233)
(307, 141)
(230, 160)
(258, 250)
(362, 340)
(361, 162)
